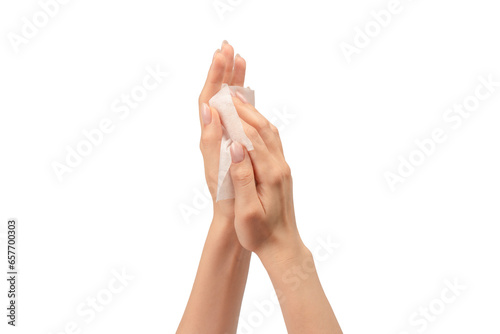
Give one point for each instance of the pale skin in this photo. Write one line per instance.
(259, 220)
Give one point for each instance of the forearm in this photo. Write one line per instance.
(215, 301)
(303, 302)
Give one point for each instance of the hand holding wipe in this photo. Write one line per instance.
(232, 132)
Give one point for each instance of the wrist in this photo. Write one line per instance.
(224, 211)
(221, 218)
(282, 250)
(222, 228)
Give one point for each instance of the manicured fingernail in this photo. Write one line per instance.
(206, 114)
(237, 153)
(241, 97)
(224, 42)
(215, 53)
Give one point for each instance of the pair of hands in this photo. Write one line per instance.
(259, 219)
(262, 211)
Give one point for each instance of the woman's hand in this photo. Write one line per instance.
(225, 68)
(215, 301)
(264, 212)
(265, 224)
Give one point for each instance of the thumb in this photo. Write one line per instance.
(243, 177)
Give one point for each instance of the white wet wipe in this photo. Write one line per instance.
(232, 131)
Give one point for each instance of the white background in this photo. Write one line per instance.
(120, 208)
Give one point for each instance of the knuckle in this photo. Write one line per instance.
(280, 176)
(251, 133)
(204, 143)
(287, 172)
(243, 176)
(262, 124)
(274, 129)
(208, 138)
(275, 177)
(271, 135)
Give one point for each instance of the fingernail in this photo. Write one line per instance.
(237, 55)
(237, 153)
(241, 97)
(215, 53)
(232, 92)
(206, 114)
(224, 42)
